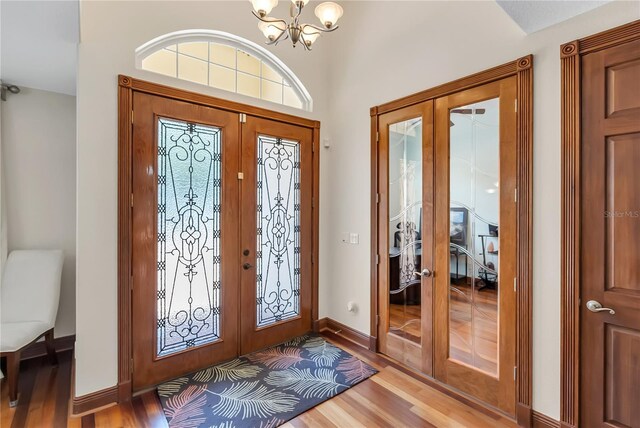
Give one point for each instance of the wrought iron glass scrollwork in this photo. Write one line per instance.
(188, 234)
(278, 230)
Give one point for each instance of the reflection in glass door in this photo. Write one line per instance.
(405, 228)
(474, 182)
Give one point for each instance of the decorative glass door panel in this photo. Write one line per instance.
(405, 231)
(188, 233)
(476, 253)
(184, 252)
(278, 231)
(474, 183)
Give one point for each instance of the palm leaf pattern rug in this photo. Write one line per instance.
(263, 389)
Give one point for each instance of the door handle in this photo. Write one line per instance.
(425, 272)
(595, 306)
(247, 266)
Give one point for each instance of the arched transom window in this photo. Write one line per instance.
(224, 61)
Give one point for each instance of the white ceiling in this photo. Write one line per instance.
(39, 44)
(536, 15)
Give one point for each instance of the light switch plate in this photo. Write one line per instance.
(354, 238)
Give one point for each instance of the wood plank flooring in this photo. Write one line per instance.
(392, 398)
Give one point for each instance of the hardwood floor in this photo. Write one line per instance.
(392, 398)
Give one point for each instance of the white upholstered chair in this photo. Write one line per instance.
(29, 297)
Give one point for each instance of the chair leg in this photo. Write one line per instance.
(13, 370)
(51, 350)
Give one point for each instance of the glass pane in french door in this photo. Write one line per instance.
(405, 229)
(188, 235)
(474, 229)
(278, 230)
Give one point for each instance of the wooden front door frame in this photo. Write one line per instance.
(126, 88)
(571, 58)
(522, 68)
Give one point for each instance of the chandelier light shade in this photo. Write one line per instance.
(264, 7)
(328, 13)
(275, 30)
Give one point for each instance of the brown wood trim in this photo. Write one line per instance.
(540, 420)
(126, 87)
(570, 125)
(523, 69)
(477, 79)
(570, 59)
(207, 100)
(38, 349)
(95, 400)
(315, 215)
(373, 328)
(347, 332)
(525, 238)
(613, 37)
(125, 127)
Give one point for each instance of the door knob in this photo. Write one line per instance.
(595, 306)
(425, 272)
(247, 266)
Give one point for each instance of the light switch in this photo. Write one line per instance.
(354, 238)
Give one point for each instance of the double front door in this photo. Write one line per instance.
(222, 230)
(447, 239)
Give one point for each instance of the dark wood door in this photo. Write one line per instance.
(475, 226)
(185, 252)
(610, 238)
(405, 232)
(276, 232)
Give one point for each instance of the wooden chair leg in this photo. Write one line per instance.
(13, 370)
(51, 350)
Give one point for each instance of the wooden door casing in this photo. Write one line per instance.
(610, 237)
(149, 369)
(252, 337)
(500, 390)
(401, 349)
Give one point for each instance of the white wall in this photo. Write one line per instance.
(385, 50)
(38, 156)
(110, 32)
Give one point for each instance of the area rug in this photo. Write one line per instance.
(264, 389)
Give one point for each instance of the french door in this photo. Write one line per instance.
(447, 230)
(221, 235)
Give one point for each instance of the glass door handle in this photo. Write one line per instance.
(425, 272)
(595, 306)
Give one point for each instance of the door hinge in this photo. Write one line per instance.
(377, 198)
(377, 320)
(515, 284)
(515, 105)
(241, 176)
(515, 195)
(243, 118)
(377, 259)
(515, 372)
(131, 200)
(132, 117)
(377, 137)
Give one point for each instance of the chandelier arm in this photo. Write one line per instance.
(304, 42)
(284, 35)
(270, 20)
(321, 29)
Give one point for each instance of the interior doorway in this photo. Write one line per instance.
(452, 238)
(221, 231)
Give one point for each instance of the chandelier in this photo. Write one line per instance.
(277, 30)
